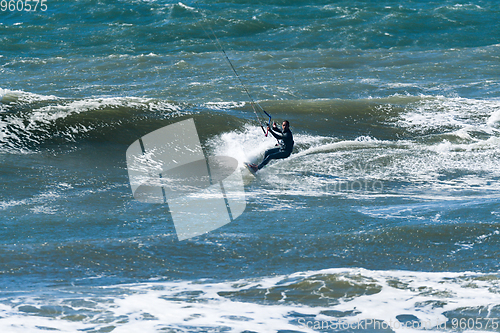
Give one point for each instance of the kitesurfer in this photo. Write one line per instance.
(285, 145)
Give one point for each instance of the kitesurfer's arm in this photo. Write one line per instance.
(278, 136)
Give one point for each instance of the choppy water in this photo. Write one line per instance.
(387, 213)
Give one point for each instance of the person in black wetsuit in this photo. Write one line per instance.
(285, 140)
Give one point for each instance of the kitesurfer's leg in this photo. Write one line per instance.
(267, 158)
(272, 154)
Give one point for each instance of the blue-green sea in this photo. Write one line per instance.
(385, 218)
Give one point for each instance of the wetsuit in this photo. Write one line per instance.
(284, 150)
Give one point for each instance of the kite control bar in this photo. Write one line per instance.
(268, 123)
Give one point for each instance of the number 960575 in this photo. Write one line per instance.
(23, 5)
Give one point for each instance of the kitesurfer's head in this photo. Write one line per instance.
(286, 124)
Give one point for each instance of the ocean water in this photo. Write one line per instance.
(384, 219)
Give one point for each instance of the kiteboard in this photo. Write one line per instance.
(249, 167)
